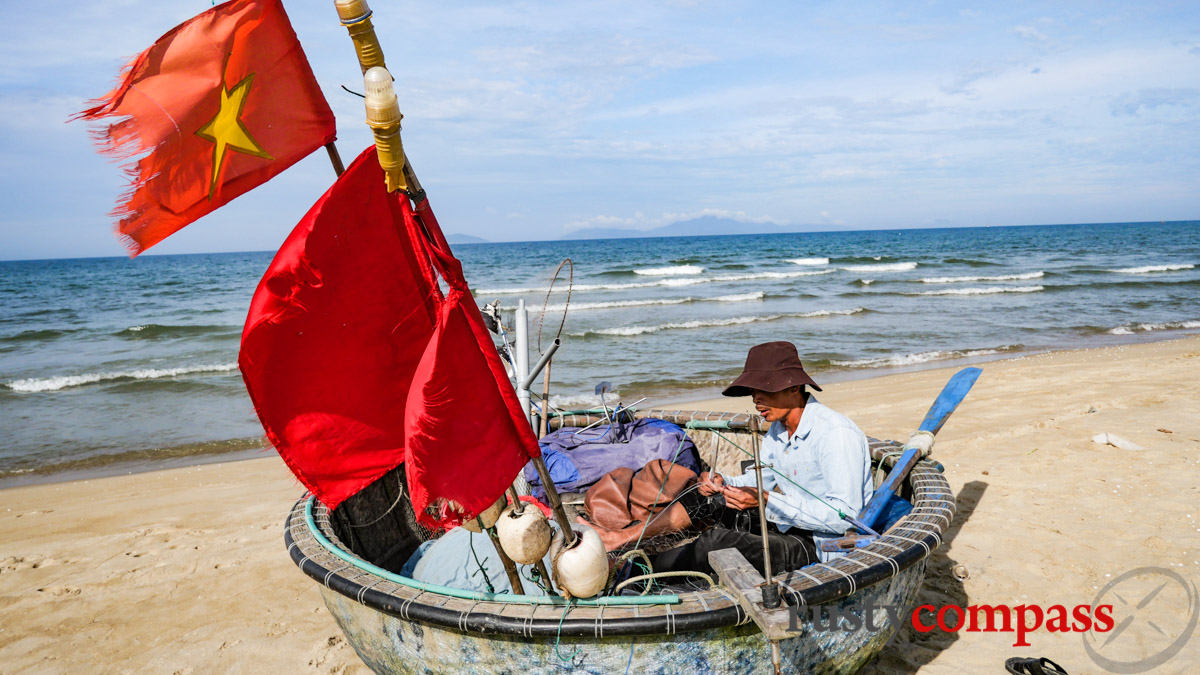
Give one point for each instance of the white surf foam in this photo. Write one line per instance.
(674, 270)
(629, 331)
(829, 312)
(584, 306)
(885, 267)
(769, 275)
(1131, 328)
(1003, 277)
(562, 288)
(1150, 269)
(649, 302)
(742, 297)
(65, 381)
(913, 359)
(990, 290)
(809, 261)
(684, 281)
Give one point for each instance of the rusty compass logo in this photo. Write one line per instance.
(1155, 610)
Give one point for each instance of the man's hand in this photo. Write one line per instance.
(711, 483)
(741, 498)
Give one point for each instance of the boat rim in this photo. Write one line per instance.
(311, 540)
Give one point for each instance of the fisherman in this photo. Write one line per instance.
(816, 462)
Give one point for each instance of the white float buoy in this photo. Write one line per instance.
(489, 517)
(582, 570)
(525, 538)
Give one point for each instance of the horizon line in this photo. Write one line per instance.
(661, 236)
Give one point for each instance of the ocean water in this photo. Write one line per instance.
(112, 364)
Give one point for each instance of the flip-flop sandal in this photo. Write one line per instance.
(1040, 666)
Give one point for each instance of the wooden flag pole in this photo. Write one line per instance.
(334, 158)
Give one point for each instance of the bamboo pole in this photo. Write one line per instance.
(510, 568)
(335, 159)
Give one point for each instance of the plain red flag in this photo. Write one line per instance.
(357, 361)
(219, 105)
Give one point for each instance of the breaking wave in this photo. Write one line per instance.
(1154, 268)
(884, 267)
(152, 331)
(809, 261)
(990, 290)
(768, 275)
(1131, 328)
(674, 270)
(1003, 277)
(921, 357)
(685, 281)
(65, 381)
(629, 331)
(741, 297)
(614, 304)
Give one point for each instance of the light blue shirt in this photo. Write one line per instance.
(829, 456)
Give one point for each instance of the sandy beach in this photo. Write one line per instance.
(184, 570)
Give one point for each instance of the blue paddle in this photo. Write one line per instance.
(952, 394)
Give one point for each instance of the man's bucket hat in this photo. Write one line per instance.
(772, 366)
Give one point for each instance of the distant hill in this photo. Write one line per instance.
(465, 239)
(697, 227)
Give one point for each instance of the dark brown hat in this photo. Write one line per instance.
(772, 366)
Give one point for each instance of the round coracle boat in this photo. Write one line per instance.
(398, 625)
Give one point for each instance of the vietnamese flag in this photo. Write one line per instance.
(356, 360)
(218, 106)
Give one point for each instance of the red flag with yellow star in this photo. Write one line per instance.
(215, 108)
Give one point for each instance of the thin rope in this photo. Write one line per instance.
(783, 476)
(400, 493)
(666, 477)
(486, 580)
(881, 473)
(571, 658)
(662, 575)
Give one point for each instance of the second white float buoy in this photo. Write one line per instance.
(582, 570)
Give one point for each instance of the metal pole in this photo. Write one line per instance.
(545, 401)
(542, 363)
(770, 592)
(522, 367)
(521, 319)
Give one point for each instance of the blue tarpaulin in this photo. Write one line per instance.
(578, 459)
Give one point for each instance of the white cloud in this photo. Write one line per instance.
(535, 114)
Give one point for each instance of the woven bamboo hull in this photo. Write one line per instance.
(397, 627)
(389, 644)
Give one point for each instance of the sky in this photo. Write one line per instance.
(530, 120)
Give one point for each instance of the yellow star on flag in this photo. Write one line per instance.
(226, 130)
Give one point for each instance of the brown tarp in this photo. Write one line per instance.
(620, 502)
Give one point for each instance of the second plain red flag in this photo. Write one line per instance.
(356, 360)
(218, 106)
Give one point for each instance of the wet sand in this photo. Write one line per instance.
(184, 570)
